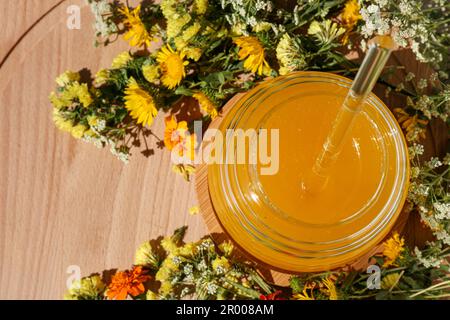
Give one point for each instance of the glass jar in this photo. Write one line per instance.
(263, 206)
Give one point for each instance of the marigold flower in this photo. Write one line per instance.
(252, 51)
(129, 282)
(139, 103)
(136, 34)
(393, 248)
(172, 66)
(175, 132)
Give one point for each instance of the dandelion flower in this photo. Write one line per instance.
(139, 103)
(121, 60)
(89, 288)
(393, 249)
(252, 51)
(136, 34)
(175, 24)
(174, 132)
(206, 104)
(172, 66)
(127, 282)
(151, 72)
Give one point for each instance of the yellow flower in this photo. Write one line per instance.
(180, 43)
(57, 102)
(144, 256)
(174, 132)
(350, 14)
(89, 288)
(78, 91)
(393, 249)
(412, 125)
(150, 295)
(187, 250)
(166, 288)
(121, 60)
(101, 77)
(221, 265)
(205, 104)
(60, 122)
(194, 210)
(390, 281)
(305, 295)
(252, 51)
(238, 29)
(193, 53)
(191, 31)
(169, 245)
(227, 248)
(92, 120)
(67, 77)
(186, 170)
(172, 66)
(150, 72)
(289, 55)
(136, 33)
(176, 23)
(330, 288)
(139, 103)
(78, 131)
(325, 31)
(201, 6)
(262, 26)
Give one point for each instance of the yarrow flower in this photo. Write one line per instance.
(172, 66)
(139, 103)
(129, 282)
(252, 51)
(136, 34)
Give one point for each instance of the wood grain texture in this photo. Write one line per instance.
(63, 202)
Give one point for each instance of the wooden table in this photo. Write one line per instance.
(64, 203)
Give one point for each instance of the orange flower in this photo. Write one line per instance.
(175, 132)
(127, 282)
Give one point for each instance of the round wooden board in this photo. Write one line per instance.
(277, 276)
